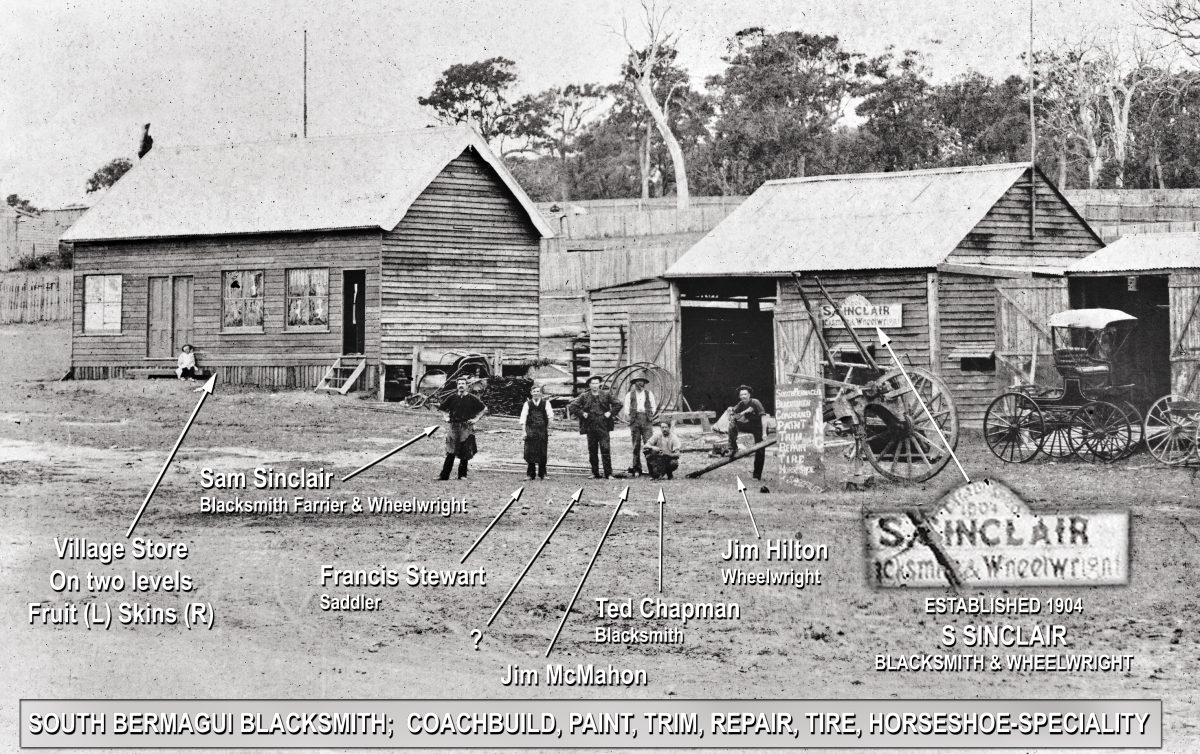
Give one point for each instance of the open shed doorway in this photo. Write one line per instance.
(1145, 361)
(727, 340)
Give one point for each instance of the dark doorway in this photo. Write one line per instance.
(1145, 361)
(354, 311)
(723, 348)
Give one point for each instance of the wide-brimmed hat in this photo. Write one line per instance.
(641, 377)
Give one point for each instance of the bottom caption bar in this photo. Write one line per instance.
(589, 723)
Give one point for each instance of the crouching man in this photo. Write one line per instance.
(662, 453)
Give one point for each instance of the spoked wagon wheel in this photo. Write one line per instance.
(1170, 429)
(1135, 427)
(1013, 428)
(901, 442)
(1056, 443)
(1099, 432)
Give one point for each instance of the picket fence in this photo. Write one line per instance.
(40, 296)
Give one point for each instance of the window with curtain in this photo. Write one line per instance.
(102, 303)
(242, 300)
(308, 298)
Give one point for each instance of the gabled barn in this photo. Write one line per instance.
(300, 261)
(959, 266)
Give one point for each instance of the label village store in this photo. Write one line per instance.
(960, 266)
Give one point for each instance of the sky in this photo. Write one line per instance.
(78, 79)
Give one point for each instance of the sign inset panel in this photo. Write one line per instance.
(862, 313)
(984, 535)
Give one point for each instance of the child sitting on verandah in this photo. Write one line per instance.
(185, 365)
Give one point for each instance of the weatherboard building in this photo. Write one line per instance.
(299, 262)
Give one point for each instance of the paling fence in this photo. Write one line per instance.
(40, 296)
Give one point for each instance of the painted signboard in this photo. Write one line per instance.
(798, 407)
(862, 313)
(982, 534)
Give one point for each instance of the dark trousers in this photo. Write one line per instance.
(537, 469)
(660, 465)
(598, 445)
(449, 465)
(187, 373)
(760, 457)
(640, 431)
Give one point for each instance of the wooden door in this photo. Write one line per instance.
(354, 312)
(1023, 308)
(158, 318)
(653, 338)
(1185, 334)
(181, 311)
(796, 347)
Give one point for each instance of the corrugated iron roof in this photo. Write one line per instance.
(283, 186)
(903, 220)
(1141, 252)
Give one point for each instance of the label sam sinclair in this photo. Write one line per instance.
(984, 534)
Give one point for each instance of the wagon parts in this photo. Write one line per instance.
(881, 409)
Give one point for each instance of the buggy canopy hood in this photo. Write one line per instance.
(1091, 319)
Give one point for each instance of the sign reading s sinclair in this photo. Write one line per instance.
(984, 534)
(862, 313)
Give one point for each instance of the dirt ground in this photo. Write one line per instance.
(76, 459)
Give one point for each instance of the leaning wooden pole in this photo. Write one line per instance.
(736, 456)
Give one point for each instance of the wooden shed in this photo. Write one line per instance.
(960, 266)
(294, 263)
(1156, 278)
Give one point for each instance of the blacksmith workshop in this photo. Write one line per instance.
(960, 267)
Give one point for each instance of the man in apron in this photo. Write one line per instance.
(461, 410)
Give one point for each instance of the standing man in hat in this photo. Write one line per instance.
(535, 418)
(461, 410)
(595, 410)
(640, 408)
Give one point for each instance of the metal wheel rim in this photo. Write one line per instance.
(911, 452)
(1056, 444)
(1013, 423)
(1099, 432)
(1170, 436)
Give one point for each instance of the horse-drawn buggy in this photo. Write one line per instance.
(1090, 416)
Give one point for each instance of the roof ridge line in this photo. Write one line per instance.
(300, 140)
(900, 173)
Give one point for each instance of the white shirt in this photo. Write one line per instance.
(525, 409)
(640, 400)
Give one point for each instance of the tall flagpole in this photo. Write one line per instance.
(1032, 136)
(305, 125)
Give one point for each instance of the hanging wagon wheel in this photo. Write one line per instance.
(1057, 443)
(1013, 428)
(1170, 429)
(1099, 432)
(1135, 427)
(901, 442)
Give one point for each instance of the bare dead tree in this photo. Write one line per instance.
(644, 59)
(1122, 71)
(1177, 19)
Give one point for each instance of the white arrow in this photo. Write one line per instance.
(742, 489)
(428, 431)
(205, 390)
(662, 502)
(886, 342)
(592, 562)
(515, 497)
